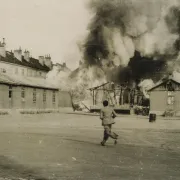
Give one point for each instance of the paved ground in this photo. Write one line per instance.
(66, 146)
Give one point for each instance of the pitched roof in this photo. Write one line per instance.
(173, 79)
(26, 81)
(33, 63)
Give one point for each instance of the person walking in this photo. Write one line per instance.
(107, 115)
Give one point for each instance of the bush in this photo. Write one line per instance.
(38, 111)
(4, 112)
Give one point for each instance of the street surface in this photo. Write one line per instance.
(67, 147)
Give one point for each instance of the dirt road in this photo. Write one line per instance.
(67, 146)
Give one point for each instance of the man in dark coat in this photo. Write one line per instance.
(107, 115)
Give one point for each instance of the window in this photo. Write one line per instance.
(170, 100)
(54, 97)
(34, 95)
(44, 96)
(22, 92)
(10, 92)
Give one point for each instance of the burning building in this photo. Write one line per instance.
(133, 40)
(130, 42)
(121, 97)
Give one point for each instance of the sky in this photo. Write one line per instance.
(45, 27)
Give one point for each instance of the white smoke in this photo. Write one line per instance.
(59, 76)
(145, 85)
(176, 76)
(130, 25)
(134, 25)
(87, 78)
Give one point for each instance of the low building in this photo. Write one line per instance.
(23, 83)
(165, 97)
(27, 93)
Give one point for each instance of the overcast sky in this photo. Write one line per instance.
(45, 27)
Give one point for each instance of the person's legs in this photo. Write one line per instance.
(106, 135)
(112, 134)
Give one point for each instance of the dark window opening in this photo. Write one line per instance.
(34, 95)
(54, 97)
(10, 91)
(23, 93)
(44, 96)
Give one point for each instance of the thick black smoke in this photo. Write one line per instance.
(140, 68)
(173, 23)
(141, 28)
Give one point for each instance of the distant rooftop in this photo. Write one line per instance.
(33, 63)
(174, 77)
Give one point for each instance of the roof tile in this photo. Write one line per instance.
(33, 63)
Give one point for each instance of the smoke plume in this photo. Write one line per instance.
(129, 41)
(120, 30)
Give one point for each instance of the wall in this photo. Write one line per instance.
(17, 102)
(177, 102)
(18, 70)
(64, 99)
(158, 101)
(40, 104)
(4, 96)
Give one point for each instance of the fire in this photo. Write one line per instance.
(126, 41)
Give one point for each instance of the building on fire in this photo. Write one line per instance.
(23, 83)
(121, 97)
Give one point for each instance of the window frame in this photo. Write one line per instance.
(44, 96)
(10, 91)
(170, 98)
(23, 92)
(34, 96)
(54, 97)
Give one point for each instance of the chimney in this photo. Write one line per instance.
(47, 61)
(41, 60)
(18, 54)
(3, 48)
(26, 55)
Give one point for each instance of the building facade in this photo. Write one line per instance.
(23, 83)
(16, 96)
(165, 97)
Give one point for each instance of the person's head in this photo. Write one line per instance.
(105, 103)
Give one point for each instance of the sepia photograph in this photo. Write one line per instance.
(90, 90)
